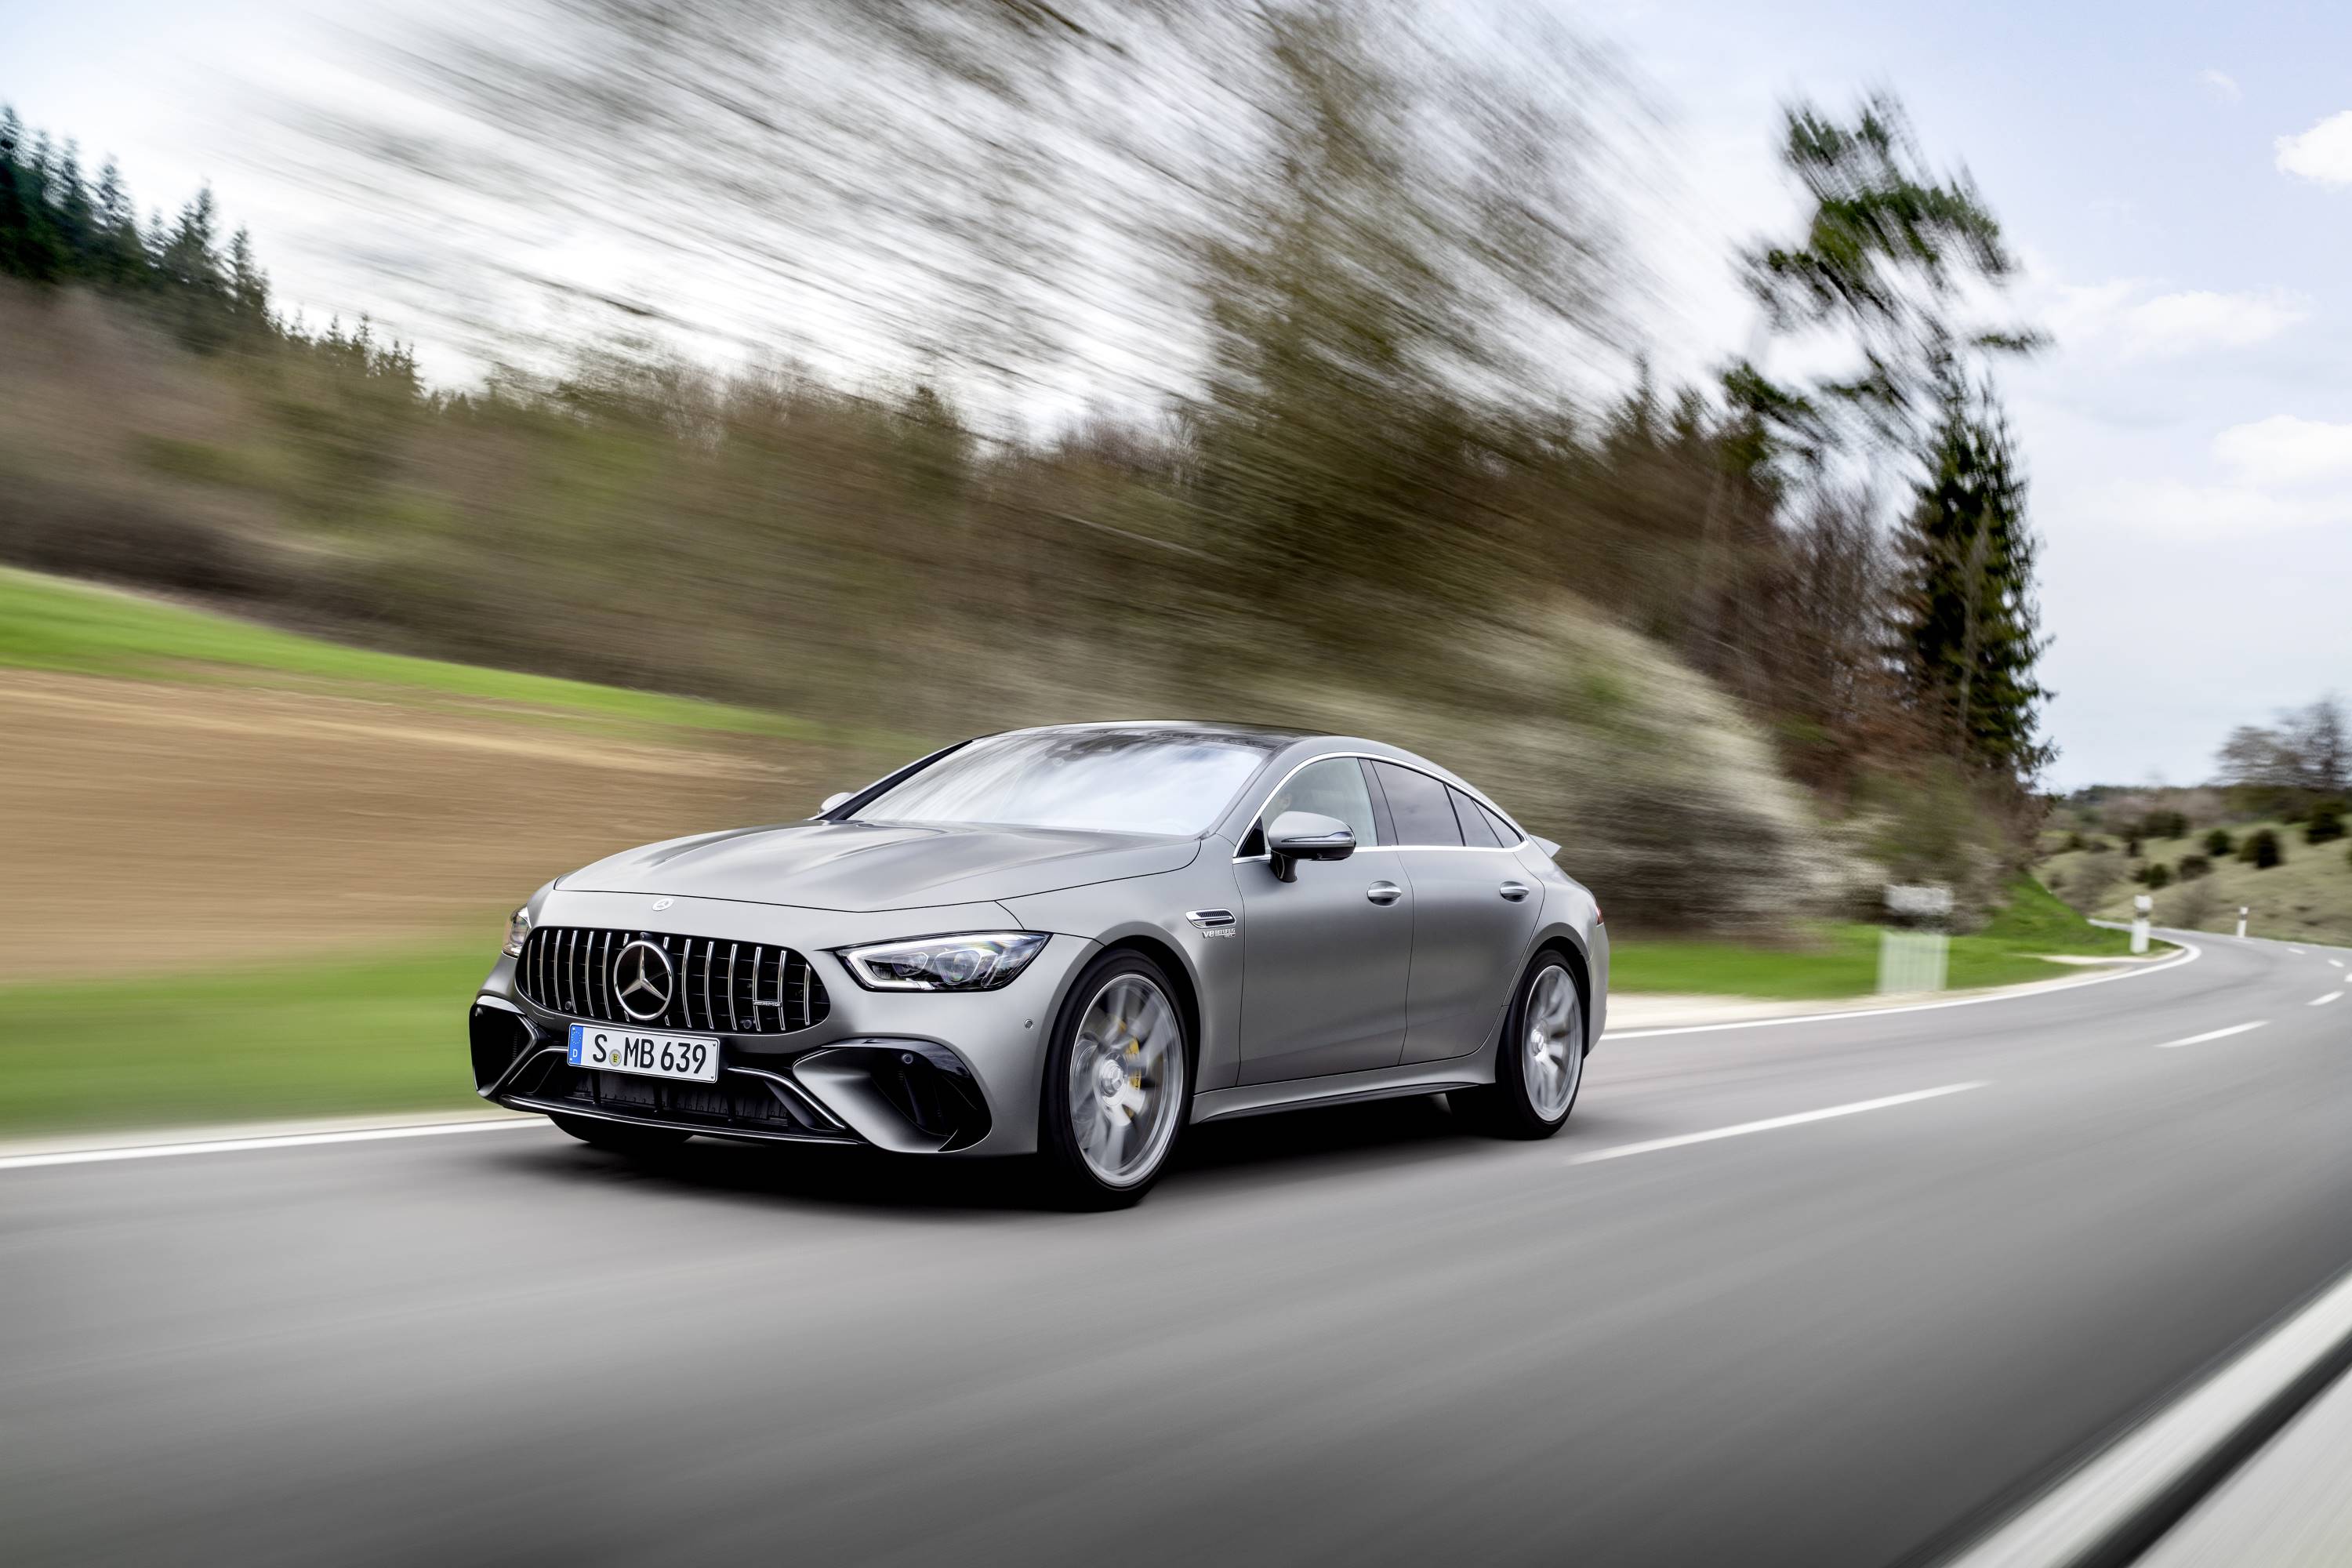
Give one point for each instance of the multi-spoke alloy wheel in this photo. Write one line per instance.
(1551, 1033)
(1541, 1063)
(1121, 1081)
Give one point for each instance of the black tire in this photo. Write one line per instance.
(620, 1137)
(1068, 1176)
(1508, 1108)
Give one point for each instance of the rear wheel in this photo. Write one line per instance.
(1540, 1063)
(620, 1137)
(1118, 1084)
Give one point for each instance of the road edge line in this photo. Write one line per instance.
(260, 1141)
(2110, 1509)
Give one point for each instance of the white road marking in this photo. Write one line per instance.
(2191, 952)
(240, 1145)
(1770, 1123)
(2335, 964)
(2323, 1001)
(2213, 1035)
(2101, 1504)
(2297, 952)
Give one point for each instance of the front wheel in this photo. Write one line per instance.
(621, 1136)
(1540, 1063)
(1118, 1084)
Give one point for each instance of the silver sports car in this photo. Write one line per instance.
(1066, 942)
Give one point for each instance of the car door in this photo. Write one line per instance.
(1473, 911)
(1327, 958)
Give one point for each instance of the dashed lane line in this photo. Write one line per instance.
(2212, 1035)
(1770, 1123)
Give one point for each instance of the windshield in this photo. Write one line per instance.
(1175, 781)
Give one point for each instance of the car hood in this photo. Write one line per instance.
(862, 865)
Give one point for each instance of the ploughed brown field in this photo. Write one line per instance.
(153, 828)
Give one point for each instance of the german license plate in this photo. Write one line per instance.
(608, 1049)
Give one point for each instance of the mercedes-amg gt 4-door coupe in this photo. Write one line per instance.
(1067, 942)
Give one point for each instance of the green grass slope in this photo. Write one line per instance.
(51, 623)
(2309, 898)
(1842, 960)
(328, 1038)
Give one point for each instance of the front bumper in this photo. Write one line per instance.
(912, 1072)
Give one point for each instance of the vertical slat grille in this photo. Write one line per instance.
(741, 988)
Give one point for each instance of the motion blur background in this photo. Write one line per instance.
(666, 416)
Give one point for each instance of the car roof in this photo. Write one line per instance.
(1271, 735)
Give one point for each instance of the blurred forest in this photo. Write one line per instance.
(1747, 647)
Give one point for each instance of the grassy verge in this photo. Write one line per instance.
(1842, 960)
(317, 1038)
(49, 624)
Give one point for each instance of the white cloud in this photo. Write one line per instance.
(2181, 323)
(2286, 450)
(2322, 153)
(2277, 478)
(2122, 316)
(2220, 86)
(2179, 508)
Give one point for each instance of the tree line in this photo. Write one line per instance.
(2304, 759)
(1368, 475)
(59, 226)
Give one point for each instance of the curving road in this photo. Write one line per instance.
(1353, 1335)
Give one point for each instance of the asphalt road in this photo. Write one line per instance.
(1353, 1335)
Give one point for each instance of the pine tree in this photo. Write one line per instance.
(200, 306)
(1968, 627)
(249, 284)
(75, 217)
(28, 237)
(119, 261)
(191, 256)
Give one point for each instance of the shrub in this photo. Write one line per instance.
(2324, 823)
(2131, 847)
(2074, 841)
(2193, 866)
(2219, 842)
(2159, 874)
(2191, 907)
(2261, 850)
(2090, 883)
(2164, 824)
(2139, 873)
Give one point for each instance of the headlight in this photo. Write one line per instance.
(982, 962)
(518, 931)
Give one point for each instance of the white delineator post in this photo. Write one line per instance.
(1914, 958)
(2141, 907)
(2242, 912)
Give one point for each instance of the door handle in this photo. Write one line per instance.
(1384, 893)
(1513, 891)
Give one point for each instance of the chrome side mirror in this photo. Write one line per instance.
(1297, 835)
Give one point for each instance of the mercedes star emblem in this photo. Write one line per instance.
(642, 975)
(661, 904)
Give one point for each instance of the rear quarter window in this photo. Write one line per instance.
(1477, 831)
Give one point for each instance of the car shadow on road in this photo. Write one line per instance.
(1258, 1147)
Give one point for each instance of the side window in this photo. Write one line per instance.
(1505, 834)
(1418, 804)
(1334, 787)
(1477, 832)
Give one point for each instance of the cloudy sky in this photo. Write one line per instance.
(2177, 177)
